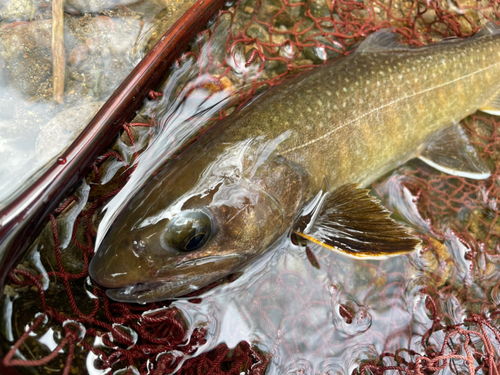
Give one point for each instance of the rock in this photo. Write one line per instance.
(57, 134)
(100, 49)
(319, 8)
(96, 6)
(287, 18)
(18, 10)
(28, 53)
(154, 29)
(319, 53)
(257, 31)
(267, 12)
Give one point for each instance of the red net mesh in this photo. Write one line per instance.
(280, 38)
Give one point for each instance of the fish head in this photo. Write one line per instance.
(198, 220)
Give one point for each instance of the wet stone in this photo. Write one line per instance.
(18, 10)
(63, 129)
(275, 67)
(95, 6)
(258, 32)
(287, 17)
(319, 8)
(27, 50)
(267, 12)
(319, 53)
(153, 30)
(275, 3)
(99, 48)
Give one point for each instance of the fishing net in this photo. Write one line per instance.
(56, 319)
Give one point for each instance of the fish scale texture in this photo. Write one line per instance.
(280, 39)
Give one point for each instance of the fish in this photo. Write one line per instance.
(296, 161)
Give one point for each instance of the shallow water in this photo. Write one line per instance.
(103, 41)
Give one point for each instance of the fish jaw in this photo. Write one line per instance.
(160, 288)
(130, 276)
(150, 292)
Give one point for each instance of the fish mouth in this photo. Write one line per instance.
(154, 291)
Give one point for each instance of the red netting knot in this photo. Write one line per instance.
(154, 95)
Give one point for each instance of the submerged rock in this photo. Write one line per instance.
(99, 53)
(17, 10)
(56, 135)
(95, 6)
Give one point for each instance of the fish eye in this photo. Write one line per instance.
(188, 231)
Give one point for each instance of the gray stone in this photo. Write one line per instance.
(95, 6)
(57, 134)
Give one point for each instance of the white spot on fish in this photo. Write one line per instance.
(118, 274)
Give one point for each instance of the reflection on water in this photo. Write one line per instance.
(103, 41)
(296, 312)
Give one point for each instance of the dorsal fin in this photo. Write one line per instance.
(491, 28)
(382, 40)
(388, 39)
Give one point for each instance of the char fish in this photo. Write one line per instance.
(296, 159)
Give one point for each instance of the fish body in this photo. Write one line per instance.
(298, 149)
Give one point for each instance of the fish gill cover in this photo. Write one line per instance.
(302, 311)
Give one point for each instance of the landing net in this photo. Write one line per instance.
(255, 45)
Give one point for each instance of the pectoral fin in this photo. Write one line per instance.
(450, 151)
(352, 222)
(493, 106)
